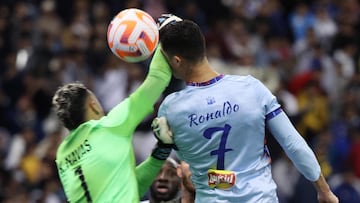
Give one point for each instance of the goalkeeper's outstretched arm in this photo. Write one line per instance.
(143, 99)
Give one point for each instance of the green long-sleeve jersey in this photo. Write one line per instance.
(96, 162)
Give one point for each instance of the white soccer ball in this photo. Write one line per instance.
(133, 35)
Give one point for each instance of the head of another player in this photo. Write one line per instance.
(167, 184)
(183, 44)
(75, 104)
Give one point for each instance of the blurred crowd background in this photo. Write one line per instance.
(306, 52)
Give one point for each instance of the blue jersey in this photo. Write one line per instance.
(219, 129)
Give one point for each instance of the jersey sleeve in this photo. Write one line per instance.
(140, 103)
(267, 99)
(294, 146)
(146, 173)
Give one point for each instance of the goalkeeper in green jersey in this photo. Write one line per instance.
(96, 162)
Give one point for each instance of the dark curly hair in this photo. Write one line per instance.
(68, 103)
(183, 38)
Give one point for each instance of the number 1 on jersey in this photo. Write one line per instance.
(79, 172)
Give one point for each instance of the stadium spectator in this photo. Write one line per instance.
(172, 184)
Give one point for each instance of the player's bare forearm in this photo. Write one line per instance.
(325, 195)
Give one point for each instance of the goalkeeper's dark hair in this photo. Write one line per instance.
(183, 38)
(69, 104)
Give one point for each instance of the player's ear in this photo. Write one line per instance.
(177, 60)
(94, 105)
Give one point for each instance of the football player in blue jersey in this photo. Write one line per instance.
(218, 123)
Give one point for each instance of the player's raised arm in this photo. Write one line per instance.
(151, 89)
(143, 99)
(158, 78)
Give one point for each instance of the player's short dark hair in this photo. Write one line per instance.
(185, 39)
(69, 104)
